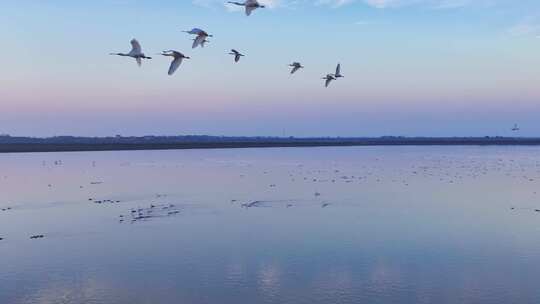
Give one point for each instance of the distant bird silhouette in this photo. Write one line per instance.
(338, 72)
(201, 37)
(236, 54)
(295, 67)
(136, 52)
(250, 5)
(329, 79)
(178, 57)
(515, 128)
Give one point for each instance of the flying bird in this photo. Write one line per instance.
(203, 42)
(236, 54)
(329, 78)
(201, 37)
(295, 67)
(515, 128)
(177, 59)
(338, 72)
(250, 5)
(136, 52)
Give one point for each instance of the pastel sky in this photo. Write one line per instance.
(412, 67)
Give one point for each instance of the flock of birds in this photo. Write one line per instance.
(201, 38)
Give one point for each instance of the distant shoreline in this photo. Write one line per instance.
(76, 144)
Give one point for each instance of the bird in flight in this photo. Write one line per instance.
(295, 67)
(202, 42)
(515, 128)
(136, 52)
(250, 5)
(177, 59)
(201, 37)
(236, 54)
(338, 72)
(328, 78)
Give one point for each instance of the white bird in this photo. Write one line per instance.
(250, 5)
(338, 72)
(295, 67)
(203, 42)
(329, 78)
(178, 57)
(201, 37)
(236, 54)
(136, 52)
(515, 128)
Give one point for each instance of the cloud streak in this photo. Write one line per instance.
(378, 4)
(529, 26)
(223, 3)
(382, 4)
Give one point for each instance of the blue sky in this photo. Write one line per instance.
(412, 67)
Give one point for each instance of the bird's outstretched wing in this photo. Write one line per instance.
(135, 47)
(195, 31)
(249, 9)
(139, 61)
(338, 69)
(174, 65)
(328, 80)
(251, 2)
(296, 67)
(237, 57)
(198, 41)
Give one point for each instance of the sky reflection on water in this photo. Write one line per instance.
(402, 225)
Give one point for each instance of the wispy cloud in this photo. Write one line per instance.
(379, 4)
(231, 7)
(529, 26)
(334, 3)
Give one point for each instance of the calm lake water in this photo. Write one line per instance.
(291, 225)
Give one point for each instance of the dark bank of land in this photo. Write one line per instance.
(11, 144)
